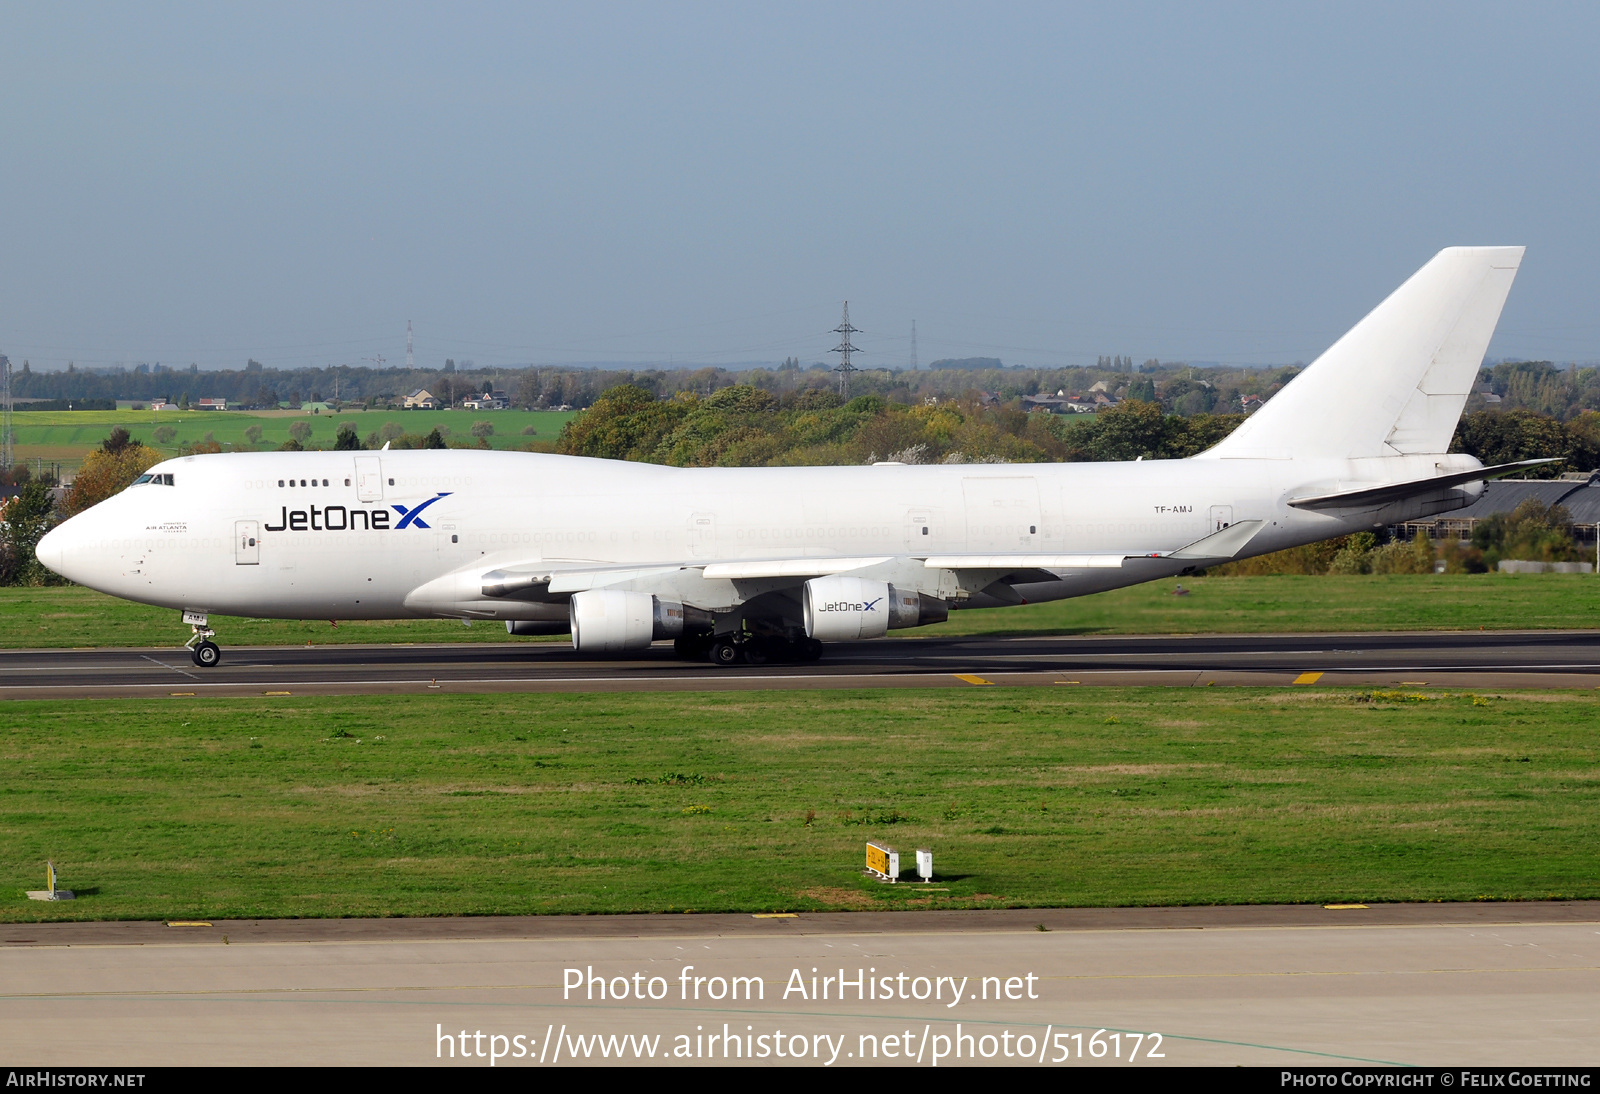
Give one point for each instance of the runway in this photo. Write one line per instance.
(1494, 659)
(1335, 987)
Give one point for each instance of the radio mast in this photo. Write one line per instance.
(844, 349)
(8, 440)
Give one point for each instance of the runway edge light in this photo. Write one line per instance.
(50, 892)
(883, 861)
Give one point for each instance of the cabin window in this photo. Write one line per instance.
(280, 483)
(347, 482)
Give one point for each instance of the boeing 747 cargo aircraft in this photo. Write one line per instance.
(747, 564)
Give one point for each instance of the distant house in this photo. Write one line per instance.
(211, 404)
(160, 404)
(1250, 403)
(494, 400)
(420, 399)
(1050, 404)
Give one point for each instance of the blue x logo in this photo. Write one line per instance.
(412, 516)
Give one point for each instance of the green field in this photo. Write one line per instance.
(66, 435)
(73, 616)
(762, 801)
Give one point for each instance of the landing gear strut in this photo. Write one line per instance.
(205, 652)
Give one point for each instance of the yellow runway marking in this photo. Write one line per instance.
(274, 693)
(1343, 907)
(774, 915)
(182, 694)
(974, 680)
(1308, 678)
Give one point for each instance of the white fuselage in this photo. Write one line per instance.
(231, 534)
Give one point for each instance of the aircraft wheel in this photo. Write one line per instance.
(757, 652)
(207, 654)
(809, 649)
(724, 652)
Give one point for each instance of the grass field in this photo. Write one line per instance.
(762, 801)
(65, 436)
(73, 616)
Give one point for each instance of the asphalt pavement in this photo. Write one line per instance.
(1491, 659)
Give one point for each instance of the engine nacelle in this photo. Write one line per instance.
(842, 608)
(608, 619)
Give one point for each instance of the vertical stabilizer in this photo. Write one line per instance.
(1396, 383)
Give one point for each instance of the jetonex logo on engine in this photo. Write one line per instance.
(851, 606)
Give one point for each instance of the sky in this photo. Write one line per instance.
(698, 183)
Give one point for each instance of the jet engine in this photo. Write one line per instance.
(842, 608)
(609, 619)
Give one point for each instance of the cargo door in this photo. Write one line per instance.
(369, 478)
(246, 543)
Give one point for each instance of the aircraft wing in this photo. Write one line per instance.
(550, 583)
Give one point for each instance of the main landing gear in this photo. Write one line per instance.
(205, 652)
(749, 649)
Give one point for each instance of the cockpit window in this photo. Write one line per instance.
(142, 479)
(157, 480)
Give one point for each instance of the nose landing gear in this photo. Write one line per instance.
(205, 652)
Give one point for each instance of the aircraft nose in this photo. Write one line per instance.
(49, 549)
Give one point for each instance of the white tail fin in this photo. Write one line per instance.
(1396, 383)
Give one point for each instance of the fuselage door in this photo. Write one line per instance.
(247, 543)
(1002, 513)
(1221, 517)
(702, 534)
(369, 478)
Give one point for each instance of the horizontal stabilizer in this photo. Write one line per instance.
(1369, 497)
